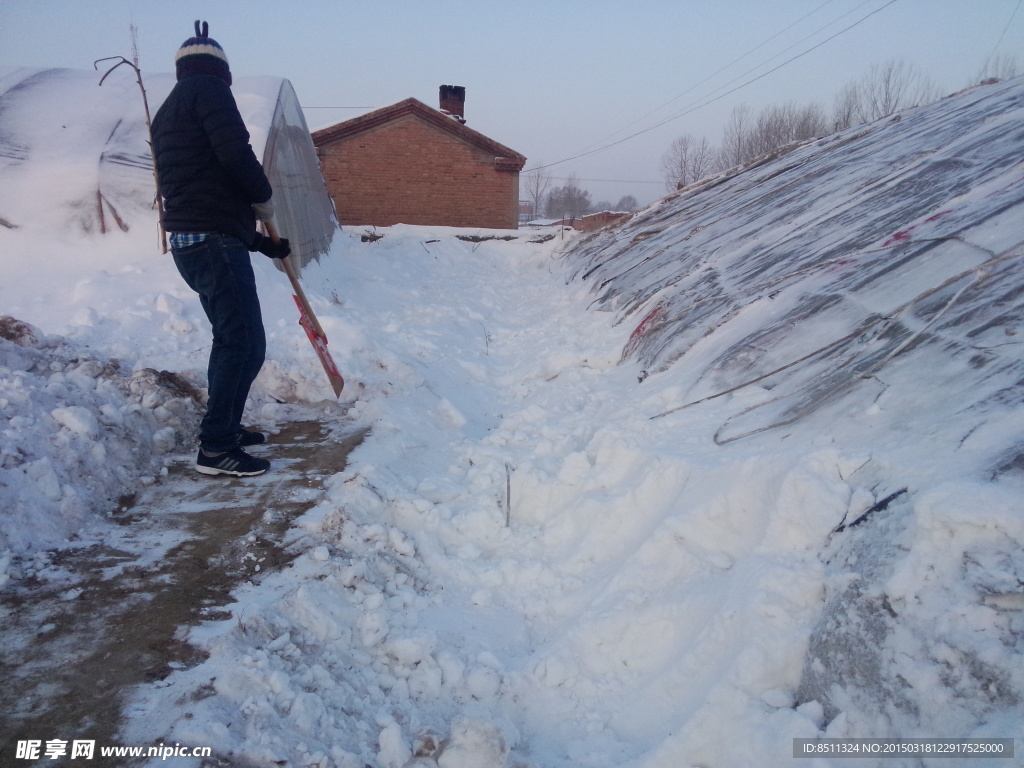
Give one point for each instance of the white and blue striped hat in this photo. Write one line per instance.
(201, 53)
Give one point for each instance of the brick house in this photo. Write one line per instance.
(412, 164)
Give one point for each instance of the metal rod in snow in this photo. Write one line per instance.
(508, 495)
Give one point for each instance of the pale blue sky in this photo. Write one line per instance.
(549, 79)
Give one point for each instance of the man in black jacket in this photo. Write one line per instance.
(214, 189)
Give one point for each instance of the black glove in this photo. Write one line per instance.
(275, 250)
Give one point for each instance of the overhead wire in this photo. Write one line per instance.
(720, 70)
(1001, 36)
(804, 39)
(714, 74)
(721, 96)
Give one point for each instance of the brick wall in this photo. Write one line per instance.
(595, 221)
(407, 171)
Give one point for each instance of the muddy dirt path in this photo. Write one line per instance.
(107, 615)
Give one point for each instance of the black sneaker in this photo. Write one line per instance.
(249, 437)
(235, 462)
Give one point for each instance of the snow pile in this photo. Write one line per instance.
(935, 590)
(537, 557)
(79, 431)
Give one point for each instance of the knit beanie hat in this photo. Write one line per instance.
(202, 55)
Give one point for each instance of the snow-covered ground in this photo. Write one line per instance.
(536, 555)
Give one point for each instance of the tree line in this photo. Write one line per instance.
(569, 200)
(884, 90)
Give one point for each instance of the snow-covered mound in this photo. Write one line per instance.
(79, 430)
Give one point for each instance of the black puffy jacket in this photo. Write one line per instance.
(209, 175)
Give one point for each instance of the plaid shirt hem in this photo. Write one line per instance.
(184, 239)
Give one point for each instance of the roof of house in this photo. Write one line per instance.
(510, 159)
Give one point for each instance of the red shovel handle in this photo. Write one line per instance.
(308, 321)
(299, 295)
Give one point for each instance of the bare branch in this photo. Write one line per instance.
(149, 127)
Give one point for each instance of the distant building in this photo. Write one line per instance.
(591, 221)
(526, 211)
(412, 164)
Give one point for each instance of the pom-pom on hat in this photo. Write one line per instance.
(202, 55)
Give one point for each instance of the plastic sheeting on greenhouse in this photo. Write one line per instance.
(303, 207)
(48, 115)
(818, 272)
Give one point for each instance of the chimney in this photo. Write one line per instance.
(453, 101)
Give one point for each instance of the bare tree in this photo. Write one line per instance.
(133, 33)
(568, 201)
(537, 183)
(748, 138)
(685, 161)
(808, 122)
(884, 90)
(627, 203)
(778, 126)
(892, 86)
(847, 108)
(735, 149)
(1001, 67)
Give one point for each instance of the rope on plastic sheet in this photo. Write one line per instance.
(979, 272)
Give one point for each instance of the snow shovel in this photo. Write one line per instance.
(308, 321)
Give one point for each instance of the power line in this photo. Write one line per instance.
(1000, 40)
(696, 85)
(722, 69)
(791, 47)
(694, 108)
(609, 181)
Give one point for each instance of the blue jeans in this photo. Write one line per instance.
(219, 269)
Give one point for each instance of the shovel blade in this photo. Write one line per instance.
(319, 342)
